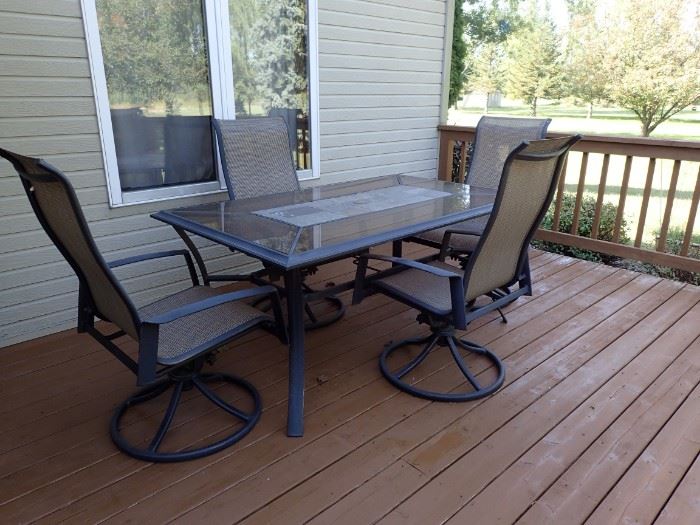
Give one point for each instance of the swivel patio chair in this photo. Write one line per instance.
(446, 295)
(257, 161)
(175, 335)
(494, 139)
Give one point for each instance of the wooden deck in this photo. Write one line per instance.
(599, 421)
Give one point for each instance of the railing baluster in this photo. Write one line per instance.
(661, 243)
(601, 196)
(579, 192)
(462, 173)
(629, 147)
(691, 217)
(560, 196)
(645, 202)
(623, 198)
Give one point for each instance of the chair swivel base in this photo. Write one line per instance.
(313, 320)
(183, 380)
(442, 338)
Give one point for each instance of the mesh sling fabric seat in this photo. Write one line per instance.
(449, 297)
(175, 334)
(257, 161)
(495, 138)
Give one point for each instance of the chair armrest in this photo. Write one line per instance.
(464, 231)
(159, 255)
(455, 278)
(410, 263)
(148, 344)
(211, 302)
(445, 246)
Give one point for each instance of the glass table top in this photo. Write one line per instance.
(316, 223)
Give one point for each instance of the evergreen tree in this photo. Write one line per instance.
(280, 55)
(459, 53)
(587, 69)
(244, 15)
(477, 23)
(487, 71)
(533, 65)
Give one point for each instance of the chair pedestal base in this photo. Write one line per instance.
(314, 321)
(437, 339)
(181, 380)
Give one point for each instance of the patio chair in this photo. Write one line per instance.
(175, 335)
(495, 138)
(257, 161)
(446, 295)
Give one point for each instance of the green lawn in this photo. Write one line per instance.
(605, 121)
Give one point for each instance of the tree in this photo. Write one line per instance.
(459, 53)
(279, 56)
(587, 69)
(243, 15)
(153, 51)
(477, 23)
(655, 47)
(487, 71)
(533, 63)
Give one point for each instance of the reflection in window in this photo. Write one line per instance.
(269, 44)
(155, 59)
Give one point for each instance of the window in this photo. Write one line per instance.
(162, 69)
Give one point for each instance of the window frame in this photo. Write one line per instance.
(216, 20)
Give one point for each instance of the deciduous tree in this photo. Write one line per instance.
(655, 47)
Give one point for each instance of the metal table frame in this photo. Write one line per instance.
(291, 266)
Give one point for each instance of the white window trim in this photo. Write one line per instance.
(221, 75)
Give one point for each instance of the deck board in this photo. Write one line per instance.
(597, 420)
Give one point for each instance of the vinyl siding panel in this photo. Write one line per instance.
(47, 109)
(380, 87)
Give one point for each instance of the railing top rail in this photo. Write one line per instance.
(615, 145)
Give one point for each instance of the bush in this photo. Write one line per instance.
(674, 242)
(585, 224)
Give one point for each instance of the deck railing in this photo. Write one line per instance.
(601, 160)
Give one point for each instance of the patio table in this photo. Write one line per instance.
(296, 230)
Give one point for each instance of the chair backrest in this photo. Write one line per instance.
(255, 156)
(528, 182)
(56, 206)
(495, 138)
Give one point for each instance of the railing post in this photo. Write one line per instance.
(444, 161)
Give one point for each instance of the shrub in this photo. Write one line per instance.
(585, 224)
(674, 242)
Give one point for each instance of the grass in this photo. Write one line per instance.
(605, 121)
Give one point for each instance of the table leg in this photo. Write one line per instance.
(295, 315)
(396, 250)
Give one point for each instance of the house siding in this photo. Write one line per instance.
(380, 93)
(380, 70)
